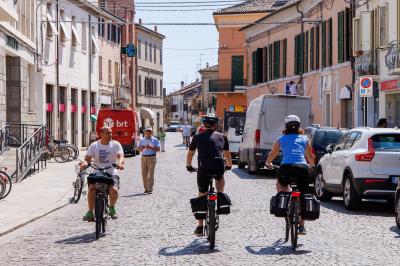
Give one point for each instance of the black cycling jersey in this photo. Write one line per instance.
(210, 145)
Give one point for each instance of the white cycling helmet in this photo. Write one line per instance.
(292, 121)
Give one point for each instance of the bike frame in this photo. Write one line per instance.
(293, 216)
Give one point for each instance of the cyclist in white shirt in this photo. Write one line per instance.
(186, 132)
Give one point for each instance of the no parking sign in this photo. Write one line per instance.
(366, 87)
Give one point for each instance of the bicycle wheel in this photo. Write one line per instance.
(2, 188)
(78, 186)
(294, 228)
(61, 154)
(211, 224)
(8, 184)
(74, 151)
(287, 228)
(99, 212)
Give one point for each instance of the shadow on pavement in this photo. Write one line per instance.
(197, 247)
(396, 230)
(80, 239)
(277, 248)
(368, 208)
(134, 195)
(261, 174)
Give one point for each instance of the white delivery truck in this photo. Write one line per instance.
(233, 128)
(264, 124)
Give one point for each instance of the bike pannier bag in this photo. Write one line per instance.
(223, 203)
(199, 207)
(309, 207)
(279, 204)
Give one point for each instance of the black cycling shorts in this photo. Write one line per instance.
(204, 176)
(294, 173)
(115, 181)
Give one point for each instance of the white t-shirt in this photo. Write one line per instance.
(187, 130)
(105, 155)
(293, 89)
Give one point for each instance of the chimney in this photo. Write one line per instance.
(182, 84)
(207, 65)
(140, 21)
(197, 79)
(155, 28)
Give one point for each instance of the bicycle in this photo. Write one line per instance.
(12, 141)
(5, 184)
(187, 141)
(56, 149)
(79, 183)
(101, 181)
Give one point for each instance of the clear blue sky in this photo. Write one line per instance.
(183, 65)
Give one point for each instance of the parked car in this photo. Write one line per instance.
(320, 138)
(173, 126)
(364, 163)
(264, 124)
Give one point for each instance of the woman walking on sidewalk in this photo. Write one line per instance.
(161, 137)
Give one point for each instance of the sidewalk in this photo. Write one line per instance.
(37, 196)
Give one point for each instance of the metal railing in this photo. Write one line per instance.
(30, 156)
(4, 133)
(366, 64)
(392, 58)
(226, 85)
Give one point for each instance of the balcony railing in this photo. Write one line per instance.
(392, 58)
(366, 64)
(226, 85)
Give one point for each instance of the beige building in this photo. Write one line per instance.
(149, 75)
(208, 100)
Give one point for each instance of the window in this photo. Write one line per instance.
(284, 57)
(312, 47)
(100, 27)
(155, 87)
(306, 51)
(116, 73)
(155, 54)
(253, 67)
(299, 54)
(161, 55)
(324, 44)
(265, 64)
(51, 26)
(145, 50)
(140, 84)
(109, 72)
(151, 52)
(351, 140)
(84, 36)
(270, 53)
(259, 65)
(341, 142)
(139, 48)
(64, 35)
(383, 26)
(277, 51)
(100, 68)
(161, 88)
(330, 41)
(344, 35)
(386, 142)
(75, 41)
(356, 36)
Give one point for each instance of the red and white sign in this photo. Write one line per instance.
(366, 86)
(388, 85)
(49, 107)
(61, 107)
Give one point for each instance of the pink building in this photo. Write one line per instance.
(305, 45)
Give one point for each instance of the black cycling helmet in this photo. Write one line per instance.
(210, 119)
(292, 122)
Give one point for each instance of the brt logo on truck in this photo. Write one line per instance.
(108, 122)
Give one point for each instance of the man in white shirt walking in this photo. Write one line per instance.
(186, 132)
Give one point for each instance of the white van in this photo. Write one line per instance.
(233, 127)
(264, 124)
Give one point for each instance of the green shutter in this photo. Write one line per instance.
(277, 55)
(317, 46)
(253, 64)
(284, 60)
(323, 44)
(301, 54)
(259, 65)
(296, 59)
(265, 65)
(270, 48)
(306, 52)
(312, 33)
(341, 34)
(330, 44)
(348, 38)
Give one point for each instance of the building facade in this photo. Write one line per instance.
(307, 44)
(149, 75)
(208, 101)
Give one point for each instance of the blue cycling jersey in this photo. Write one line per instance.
(293, 147)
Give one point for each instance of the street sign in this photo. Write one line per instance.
(231, 108)
(129, 50)
(366, 87)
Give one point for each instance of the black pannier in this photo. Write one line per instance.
(199, 207)
(279, 204)
(310, 207)
(223, 203)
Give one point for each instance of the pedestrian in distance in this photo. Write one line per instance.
(161, 137)
(186, 133)
(382, 123)
(148, 146)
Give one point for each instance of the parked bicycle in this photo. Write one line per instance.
(101, 181)
(5, 184)
(57, 149)
(13, 141)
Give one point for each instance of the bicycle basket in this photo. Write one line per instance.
(279, 204)
(223, 203)
(310, 207)
(100, 178)
(199, 207)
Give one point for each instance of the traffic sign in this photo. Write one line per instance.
(366, 87)
(129, 50)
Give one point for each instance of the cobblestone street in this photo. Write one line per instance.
(158, 229)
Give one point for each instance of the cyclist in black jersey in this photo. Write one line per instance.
(213, 149)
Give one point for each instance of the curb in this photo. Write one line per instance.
(32, 220)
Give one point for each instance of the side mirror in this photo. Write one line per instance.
(329, 148)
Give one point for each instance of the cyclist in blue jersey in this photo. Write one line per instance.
(297, 157)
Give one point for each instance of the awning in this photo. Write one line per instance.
(75, 34)
(93, 117)
(52, 24)
(146, 113)
(96, 45)
(64, 30)
(345, 93)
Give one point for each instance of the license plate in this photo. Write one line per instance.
(395, 179)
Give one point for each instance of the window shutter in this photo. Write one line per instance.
(284, 61)
(347, 36)
(330, 43)
(296, 59)
(277, 51)
(301, 53)
(265, 65)
(312, 49)
(259, 65)
(270, 48)
(323, 44)
(306, 52)
(341, 34)
(253, 66)
(317, 44)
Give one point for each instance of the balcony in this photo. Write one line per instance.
(366, 63)
(8, 10)
(227, 85)
(392, 58)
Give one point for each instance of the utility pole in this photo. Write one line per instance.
(57, 93)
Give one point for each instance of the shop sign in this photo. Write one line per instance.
(240, 108)
(366, 87)
(388, 85)
(231, 108)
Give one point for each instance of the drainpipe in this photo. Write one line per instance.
(57, 125)
(302, 34)
(90, 71)
(352, 62)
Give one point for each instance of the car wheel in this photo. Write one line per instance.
(351, 199)
(320, 189)
(397, 211)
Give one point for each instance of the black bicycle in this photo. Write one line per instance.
(5, 183)
(79, 183)
(102, 182)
